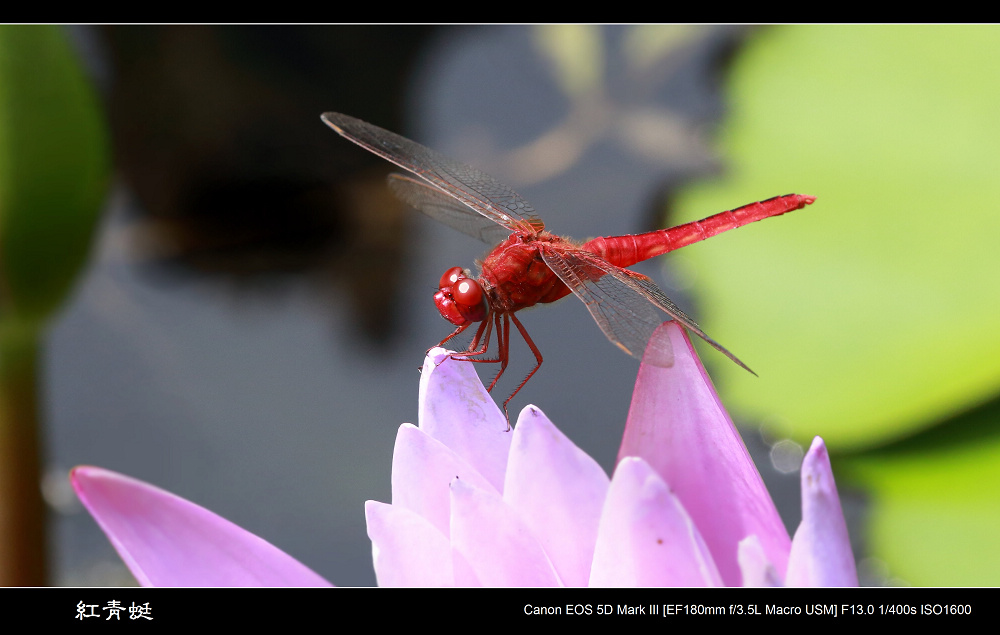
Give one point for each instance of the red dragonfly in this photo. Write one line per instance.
(529, 265)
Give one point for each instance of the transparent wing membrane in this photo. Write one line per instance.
(446, 209)
(478, 190)
(625, 305)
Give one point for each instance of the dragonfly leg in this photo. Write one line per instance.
(453, 334)
(471, 349)
(466, 355)
(538, 364)
(503, 348)
(456, 332)
(470, 355)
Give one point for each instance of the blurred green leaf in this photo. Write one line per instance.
(934, 509)
(874, 312)
(54, 167)
(53, 174)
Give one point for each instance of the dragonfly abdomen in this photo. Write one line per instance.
(625, 251)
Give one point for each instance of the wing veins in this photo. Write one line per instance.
(609, 293)
(446, 209)
(474, 188)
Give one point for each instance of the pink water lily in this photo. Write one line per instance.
(473, 504)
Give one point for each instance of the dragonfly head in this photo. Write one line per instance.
(461, 299)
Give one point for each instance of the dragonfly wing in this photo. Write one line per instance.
(476, 189)
(446, 209)
(626, 305)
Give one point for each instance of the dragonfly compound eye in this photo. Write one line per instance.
(450, 277)
(470, 299)
(460, 299)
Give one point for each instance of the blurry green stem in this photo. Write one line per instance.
(22, 510)
(54, 170)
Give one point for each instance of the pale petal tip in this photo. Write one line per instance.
(79, 477)
(816, 469)
(660, 351)
(82, 477)
(86, 471)
(78, 472)
(529, 412)
(818, 447)
(435, 356)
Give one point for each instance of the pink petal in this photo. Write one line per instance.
(168, 541)
(677, 424)
(455, 409)
(499, 549)
(646, 538)
(407, 550)
(559, 492)
(422, 471)
(821, 550)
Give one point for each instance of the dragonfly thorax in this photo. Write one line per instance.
(460, 299)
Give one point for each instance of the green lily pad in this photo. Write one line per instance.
(933, 509)
(875, 312)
